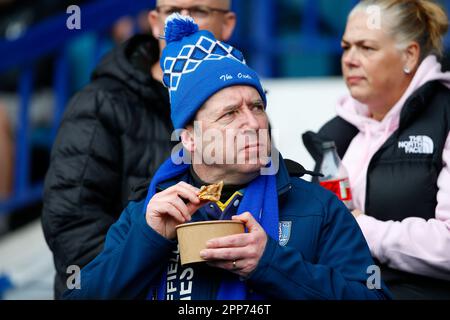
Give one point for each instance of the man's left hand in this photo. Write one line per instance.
(238, 253)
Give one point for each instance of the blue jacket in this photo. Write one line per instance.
(321, 253)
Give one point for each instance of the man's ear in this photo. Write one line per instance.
(229, 23)
(412, 56)
(187, 139)
(155, 25)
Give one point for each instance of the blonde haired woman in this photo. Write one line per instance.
(393, 133)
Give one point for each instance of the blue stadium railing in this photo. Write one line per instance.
(263, 45)
(49, 37)
(52, 36)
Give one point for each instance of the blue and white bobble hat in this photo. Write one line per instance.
(196, 66)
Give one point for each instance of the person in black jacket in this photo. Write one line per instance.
(114, 135)
(392, 131)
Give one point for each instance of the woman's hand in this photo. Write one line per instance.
(356, 213)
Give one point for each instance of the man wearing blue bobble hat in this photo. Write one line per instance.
(301, 242)
(114, 135)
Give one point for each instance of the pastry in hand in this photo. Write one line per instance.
(211, 192)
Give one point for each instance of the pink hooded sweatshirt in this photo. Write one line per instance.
(414, 244)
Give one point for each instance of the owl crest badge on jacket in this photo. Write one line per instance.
(284, 232)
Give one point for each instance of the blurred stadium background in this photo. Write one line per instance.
(293, 44)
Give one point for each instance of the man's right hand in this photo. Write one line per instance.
(167, 209)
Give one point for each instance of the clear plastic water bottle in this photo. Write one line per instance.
(335, 176)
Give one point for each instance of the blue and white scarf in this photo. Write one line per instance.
(260, 199)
